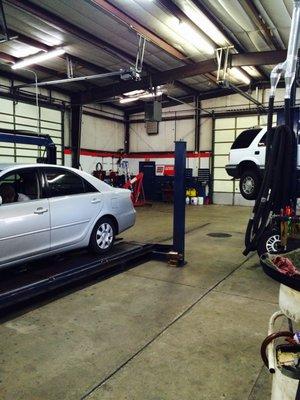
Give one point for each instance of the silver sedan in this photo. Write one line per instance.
(47, 209)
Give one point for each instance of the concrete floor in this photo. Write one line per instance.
(154, 332)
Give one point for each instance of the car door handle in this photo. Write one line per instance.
(40, 210)
(95, 200)
(257, 152)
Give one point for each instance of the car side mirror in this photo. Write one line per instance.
(1, 201)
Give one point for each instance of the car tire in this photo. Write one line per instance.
(103, 235)
(250, 182)
(270, 243)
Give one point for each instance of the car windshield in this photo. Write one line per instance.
(245, 139)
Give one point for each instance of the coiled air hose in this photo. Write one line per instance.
(278, 186)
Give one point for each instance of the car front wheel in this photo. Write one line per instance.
(250, 184)
(103, 235)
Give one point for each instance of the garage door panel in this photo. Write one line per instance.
(247, 122)
(223, 186)
(224, 136)
(220, 173)
(25, 119)
(220, 161)
(224, 123)
(226, 190)
(222, 148)
(6, 118)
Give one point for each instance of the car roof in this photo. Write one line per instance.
(4, 166)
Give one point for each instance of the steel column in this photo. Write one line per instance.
(179, 201)
(127, 135)
(197, 123)
(76, 119)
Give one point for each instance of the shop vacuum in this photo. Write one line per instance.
(278, 193)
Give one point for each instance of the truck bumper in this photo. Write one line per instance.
(232, 170)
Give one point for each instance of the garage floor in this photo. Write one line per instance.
(154, 332)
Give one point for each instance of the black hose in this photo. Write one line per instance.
(277, 189)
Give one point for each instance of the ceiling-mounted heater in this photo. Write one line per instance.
(153, 111)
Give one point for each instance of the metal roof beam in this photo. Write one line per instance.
(199, 68)
(253, 13)
(61, 24)
(224, 30)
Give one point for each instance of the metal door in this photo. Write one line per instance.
(148, 169)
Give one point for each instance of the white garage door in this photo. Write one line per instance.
(24, 116)
(226, 190)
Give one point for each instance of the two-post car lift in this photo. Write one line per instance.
(43, 276)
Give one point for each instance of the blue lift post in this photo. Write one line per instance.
(179, 201)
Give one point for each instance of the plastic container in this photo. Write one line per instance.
(200, 201)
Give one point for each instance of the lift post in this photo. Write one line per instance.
(179, 202)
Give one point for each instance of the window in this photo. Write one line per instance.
(19, 186)
(245, 139)
(63, 183)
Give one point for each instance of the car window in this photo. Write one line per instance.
(19, 186)
(63, 183)
(245, 139)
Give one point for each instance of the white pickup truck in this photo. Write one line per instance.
(247, 160)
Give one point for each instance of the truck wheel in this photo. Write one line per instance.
(270, 243)
(250, 183)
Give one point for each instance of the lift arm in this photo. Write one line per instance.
(24, 137)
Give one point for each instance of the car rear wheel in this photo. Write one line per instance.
(103, 236)
(250, 184)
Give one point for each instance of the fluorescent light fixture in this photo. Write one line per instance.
(38, 58)
(128, 100)
(239, 75)
(191, 36)
(134, 92)
(146, 95)
(204, 23)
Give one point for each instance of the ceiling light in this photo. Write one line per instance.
(146, 95)
(204, 23)
(194, 38)
(239, 75)
(128, 100)
(134, 92)
(38, 58)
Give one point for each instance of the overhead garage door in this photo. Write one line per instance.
(226, 190)
(24, 116)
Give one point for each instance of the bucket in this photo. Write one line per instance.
(194, 201)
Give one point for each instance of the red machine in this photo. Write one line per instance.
(137, 191)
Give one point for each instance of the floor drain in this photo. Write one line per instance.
(219, 234)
